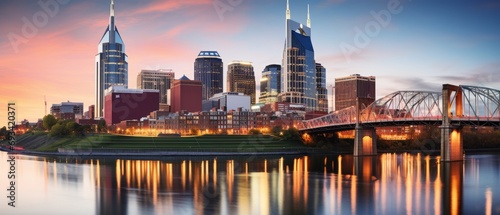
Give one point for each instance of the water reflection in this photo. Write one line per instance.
(334, 184)
(452, 189)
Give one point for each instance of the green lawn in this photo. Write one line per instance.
(206, 142)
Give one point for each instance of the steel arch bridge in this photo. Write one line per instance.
(469, 105)
(451, 109)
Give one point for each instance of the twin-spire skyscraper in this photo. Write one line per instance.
(111, 63)
(298, 73)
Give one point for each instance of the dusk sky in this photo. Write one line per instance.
(424, 44)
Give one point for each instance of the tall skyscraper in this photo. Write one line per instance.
(208, 68)
(111, 66)
(347, 89)
(241, 79)
(298, 67)
(270, 84)
(322, 92)
(156, 80)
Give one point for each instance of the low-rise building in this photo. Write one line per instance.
(228, 101)
(129, 104)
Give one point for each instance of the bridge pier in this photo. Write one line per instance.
(365, 141)
(452, 146)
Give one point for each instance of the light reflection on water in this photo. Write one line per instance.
(335, 184)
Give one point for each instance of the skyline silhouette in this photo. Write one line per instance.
(422, 46)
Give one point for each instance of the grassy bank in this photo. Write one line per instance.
(44, 143)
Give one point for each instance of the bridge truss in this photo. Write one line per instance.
(473, 105)
(468, 105)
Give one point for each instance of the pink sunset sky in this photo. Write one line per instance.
(421, 48)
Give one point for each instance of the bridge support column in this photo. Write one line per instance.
(365, 141)
(452, 146)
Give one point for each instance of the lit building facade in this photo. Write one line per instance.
(350, 88)
(111, 63)
(186, 95)
(270, 84)
(322, 92)
(241, 79)
(129, 104)
(209, 122)
(156, 80)
(208, 68)
(231, 101)
(298, 73)
(67, 110)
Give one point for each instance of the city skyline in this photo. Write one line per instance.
(452, 43)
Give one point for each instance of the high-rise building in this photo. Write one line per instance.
(158, 80)
(350, 88)
(111, 63)
(241, 79)
(208, 68)
(186, 95)
(129, 104)
(298, 72)
(322, 92)
(270, 84)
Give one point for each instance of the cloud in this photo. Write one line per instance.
(160, 6)
(485, 75)
(490, 5)
(402, 83)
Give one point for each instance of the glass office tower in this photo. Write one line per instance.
(208, 68)
(111, 63)
(270, 84)
(241, 79)
(322, 92)
(298, 66)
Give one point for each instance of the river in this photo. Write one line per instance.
(314, 184)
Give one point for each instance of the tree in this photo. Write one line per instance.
(194, 131)
(74, 128)
(277, 130)
(58, 129)
(101, 125)
(49, 121)
(292, 134)
(26, 124)
(86, 128)
(3, 132)
(253, 131)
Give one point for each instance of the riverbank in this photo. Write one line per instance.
(146, 153)
(107, 145)
(119, 145)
